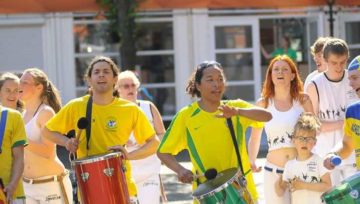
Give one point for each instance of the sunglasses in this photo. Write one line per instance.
(127, 86)
(206, 64)
(305, 139)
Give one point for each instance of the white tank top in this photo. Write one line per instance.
(151, 165)
(334, 97)
(281, 127)
(33, 131)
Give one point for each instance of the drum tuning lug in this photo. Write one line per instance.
(85, 176)
(354, 194)
(108, 171)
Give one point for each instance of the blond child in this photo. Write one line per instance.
(305, 176)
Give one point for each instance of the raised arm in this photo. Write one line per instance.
(254, 113)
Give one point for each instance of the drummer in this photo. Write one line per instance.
(112, 121)
(201, 128)
(351, 139)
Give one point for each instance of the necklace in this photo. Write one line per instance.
(37, 109)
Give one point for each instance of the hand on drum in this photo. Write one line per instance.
(72, 145)
(185, 176)
(227, 111)
(120, 148)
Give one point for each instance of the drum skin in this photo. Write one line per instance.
(101, 179)
(225, 188)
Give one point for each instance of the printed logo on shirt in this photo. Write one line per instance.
(111, 123)
(312, 166)
(356, 129)
(52, 197)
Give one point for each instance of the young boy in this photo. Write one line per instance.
(305, 176)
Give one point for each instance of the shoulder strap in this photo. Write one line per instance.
(317, 90)
(2, 127)
(88, 117)
(232, 132)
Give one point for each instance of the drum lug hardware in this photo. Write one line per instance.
(354, 194)
(85, 176)
(109, 172)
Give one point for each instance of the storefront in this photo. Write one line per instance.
(173, 39)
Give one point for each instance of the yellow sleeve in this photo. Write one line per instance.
(347, 128)
(143, 128)
(174, 139)
(19, 135)
(63, 120)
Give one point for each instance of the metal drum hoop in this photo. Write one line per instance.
(222, 187)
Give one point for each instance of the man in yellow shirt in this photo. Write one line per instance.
(112, 120)
(12, 142)
(202, 130)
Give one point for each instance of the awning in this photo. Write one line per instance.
(45, 6)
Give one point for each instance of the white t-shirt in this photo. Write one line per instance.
(334, 97)
(309, 171)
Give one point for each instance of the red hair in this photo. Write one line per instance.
(268, 90)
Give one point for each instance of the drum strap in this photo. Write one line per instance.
(2, 127)
(232, 132)
(88, 117)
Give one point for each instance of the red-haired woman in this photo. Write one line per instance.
(283, 96)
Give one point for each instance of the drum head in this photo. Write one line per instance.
(95, 158)
(221, 181)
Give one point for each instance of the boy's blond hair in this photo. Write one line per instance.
(307, 122)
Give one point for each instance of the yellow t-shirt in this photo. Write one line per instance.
(352, 128)
(208, 139)
(14, 136)
(110, 125)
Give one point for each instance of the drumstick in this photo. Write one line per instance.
(209, 174)
(82, 124)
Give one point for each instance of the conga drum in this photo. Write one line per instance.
(347, 192)
(101, 179)
(226, 188)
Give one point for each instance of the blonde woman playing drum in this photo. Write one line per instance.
(45, 178)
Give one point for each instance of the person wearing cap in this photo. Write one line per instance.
(351, 140)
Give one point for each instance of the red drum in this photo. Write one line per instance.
(101, 179)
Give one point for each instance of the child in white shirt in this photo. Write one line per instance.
(305, 176)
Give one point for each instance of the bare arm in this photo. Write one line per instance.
(70, 144)
(184, 175)
(322, 186)
(280, 186)
(265, 53)
(16, 171)
(306, 103)
(254, 146)
(254, 142)
(325, 126)
(344, 152)
(158, 122)
(255, 113)
(145, 150)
